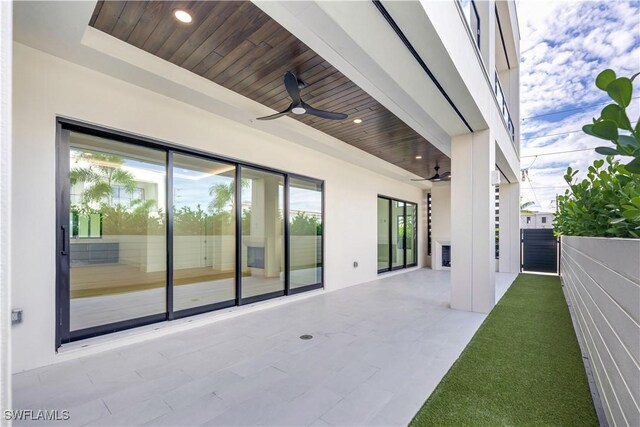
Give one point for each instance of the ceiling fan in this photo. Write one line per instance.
(446, 176)
(298, 106)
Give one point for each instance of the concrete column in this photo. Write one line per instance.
(472, 222)
(6, 40)
(509, 228)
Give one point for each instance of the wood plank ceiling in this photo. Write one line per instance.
(236, 45)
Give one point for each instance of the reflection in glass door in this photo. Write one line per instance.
(397, 234)
(116, 231)
(411, 235)
(383, 234)
(305, 234)
(148, 232)
(203, 234)
(262, 248)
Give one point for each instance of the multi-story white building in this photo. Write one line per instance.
(327, 202)
(536, 220)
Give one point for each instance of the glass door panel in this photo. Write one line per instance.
(305, 233)
(383, 234)
(397, 234)
(203, 233)
(411, 246)
(262, 249)
(117, 232)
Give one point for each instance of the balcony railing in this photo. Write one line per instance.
(502, 102)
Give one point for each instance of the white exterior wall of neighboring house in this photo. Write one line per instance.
(536, 220)
(94, 78)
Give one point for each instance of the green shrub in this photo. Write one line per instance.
(605, 204)
(613, 120)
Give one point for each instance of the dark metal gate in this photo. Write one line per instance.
(539, 250)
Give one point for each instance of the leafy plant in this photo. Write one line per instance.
(613, 119)
(524, 206)
(141, 219)
(100, 176)
(305, 225)
(605, 204)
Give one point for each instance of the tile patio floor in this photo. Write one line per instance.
(378, 351)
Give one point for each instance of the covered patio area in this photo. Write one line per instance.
(377, 351)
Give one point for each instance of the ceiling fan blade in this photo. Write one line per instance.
(422, 179)
(275, 116)
(446, 175)
(324, 114)
(291, 84)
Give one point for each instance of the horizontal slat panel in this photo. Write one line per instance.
(607, 304)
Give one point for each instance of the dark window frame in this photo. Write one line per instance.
(66, 125)
(429, 224)
(415, 235)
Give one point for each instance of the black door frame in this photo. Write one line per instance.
(64, 126)
(390, 234)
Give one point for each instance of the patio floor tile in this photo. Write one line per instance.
(378, 350)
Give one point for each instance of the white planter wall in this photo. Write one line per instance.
(602, 282)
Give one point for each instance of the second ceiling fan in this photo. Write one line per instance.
(298, 106)
(446, 176)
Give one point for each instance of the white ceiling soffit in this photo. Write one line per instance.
(61, 28)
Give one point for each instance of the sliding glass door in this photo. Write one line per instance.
(262, 247)
(150, 232)
(384, 249)
(116, 233)
(204, 230)
(411, 234)
(397, 234)
(305, 234)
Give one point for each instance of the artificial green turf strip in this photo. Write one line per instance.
(522, 367)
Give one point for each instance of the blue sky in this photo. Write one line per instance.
(564, 45)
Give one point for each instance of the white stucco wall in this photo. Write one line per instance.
(602, 283)
(6, 29)
(46, 86)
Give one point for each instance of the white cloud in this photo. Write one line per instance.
(564, 45)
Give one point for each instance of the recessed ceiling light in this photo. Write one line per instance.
(357, 121)
(418, 157)
(183, 16)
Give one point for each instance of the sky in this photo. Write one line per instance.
(564, 45)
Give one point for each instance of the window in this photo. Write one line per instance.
(544, 219)
(528, 220)
(124, 196)
(150, 232)
(397, 234)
